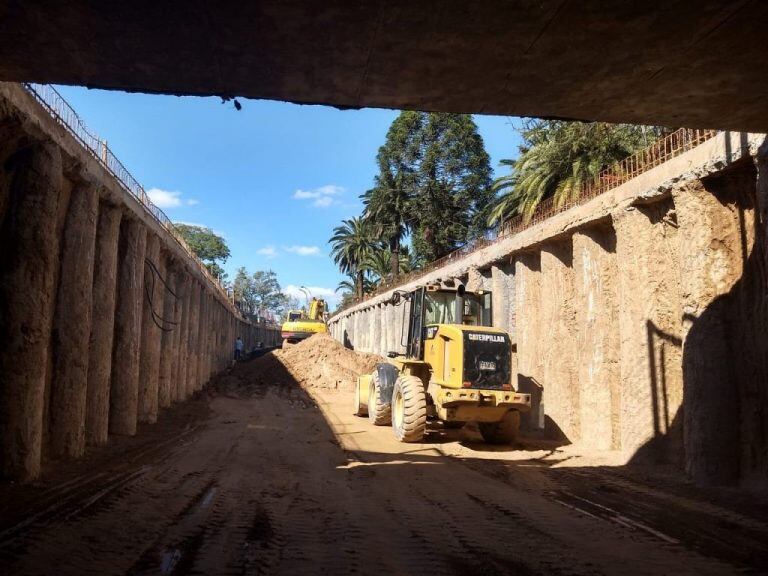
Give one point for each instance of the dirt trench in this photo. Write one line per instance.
(267, 472)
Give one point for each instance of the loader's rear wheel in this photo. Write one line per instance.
(360, 408)
(503, 432)
(409, 409)
(379, 409)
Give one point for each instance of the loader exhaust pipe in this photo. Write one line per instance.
(459, 310)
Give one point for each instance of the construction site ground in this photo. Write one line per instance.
(268, 472)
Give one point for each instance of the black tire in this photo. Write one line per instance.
(503, 432)
(379, 408)
(409, 409)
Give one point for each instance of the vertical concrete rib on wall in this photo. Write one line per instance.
(597, 336)
(168, 352)
(124, 391)
(721, 326)
(151, 334)
(72, 325)
(650, 325)
(557, 325)
(102, 324)
(25, 330)
(527, 303)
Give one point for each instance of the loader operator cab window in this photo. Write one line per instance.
(294, 316)
(440, 308)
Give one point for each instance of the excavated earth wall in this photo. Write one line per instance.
(105, 319)
(640, 317)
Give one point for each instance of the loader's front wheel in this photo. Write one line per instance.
(409, 409)
(502, 432)
(379, 410)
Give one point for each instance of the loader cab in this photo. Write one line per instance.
(437, 304)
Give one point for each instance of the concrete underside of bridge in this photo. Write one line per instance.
(696, 64)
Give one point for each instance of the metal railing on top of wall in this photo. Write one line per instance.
(65, 115)
(641, 161)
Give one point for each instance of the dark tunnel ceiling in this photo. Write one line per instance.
(675, 63)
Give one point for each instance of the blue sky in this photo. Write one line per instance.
(273, 178)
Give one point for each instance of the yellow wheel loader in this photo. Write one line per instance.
(302, 324)
(456, 368)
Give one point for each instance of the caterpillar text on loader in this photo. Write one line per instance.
(456, 368)
(301, 324)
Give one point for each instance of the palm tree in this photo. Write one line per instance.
(388, 210)
(349, 285)
(351, 244)
(559, 159)
(409, 260)
(379, 262)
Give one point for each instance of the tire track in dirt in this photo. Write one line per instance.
(282, 481)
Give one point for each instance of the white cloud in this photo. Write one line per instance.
(323, 202)
(168, 198)
(164, 198)
(321, 197)
(267, 251)
(303, 250)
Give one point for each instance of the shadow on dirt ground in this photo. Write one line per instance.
(258, 475)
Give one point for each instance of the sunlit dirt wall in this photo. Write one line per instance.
(104, 318)
(641, 317)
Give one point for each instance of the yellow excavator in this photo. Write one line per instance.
(301, 324)
(456, 368)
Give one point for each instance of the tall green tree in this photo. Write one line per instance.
(558, 159)
(388, 205)
(454, 185)
(207, 245)
(434, 181)
(259, 292)
(351, 244)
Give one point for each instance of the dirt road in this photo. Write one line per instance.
(266, 478)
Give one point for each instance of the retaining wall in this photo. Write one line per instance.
(105, 319)
(640, 317)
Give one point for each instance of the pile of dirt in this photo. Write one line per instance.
(317, 362)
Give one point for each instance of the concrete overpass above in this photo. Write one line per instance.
(676, 63)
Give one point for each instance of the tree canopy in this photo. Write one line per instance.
(259, 293)
(434, 182)
(433, 187)
(209, 246)
(558, 159)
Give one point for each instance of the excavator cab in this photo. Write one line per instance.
(301, 324)
(295, 315)
(455, 367)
